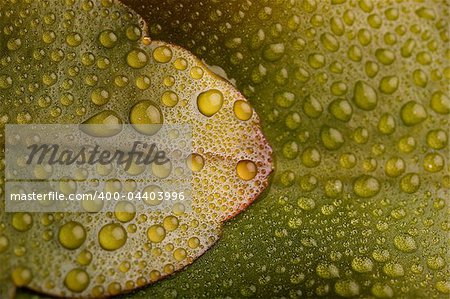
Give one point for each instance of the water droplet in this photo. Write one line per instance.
(405, 243)
(346, 288)
(5, 82)
(290, 150)
(440, 103)
(246, 169)
(133, 32)
(137, 58)
(22, 221)
(156, 233)
(14, 44)
(347, 160)
(150, 199)
(406, 144)
(121, 81)
(413, 113)
(385, 56)
(100, 96)
(125, 211)
(364, 37)
(341, 109)
(389, 84)
(327, 270)
(362, 264)
(170, 223)
(180, 64)
(312, 107)
(77, 280)
(284, 99)
(443, 286)
(316, 60)
(437, 139)
(104, 124)
(74, 39)
(114, 288)
(72, 235)
(179, 254)
(371, 68)
(162, 54)
(193, 242)
(332, 139)
(333, 188)
(21, 276)
(84, 258)
(196, 72)
(142, 82)
(365, 97)
(306, 203)
(426, 13)
(393, 270)
(169, 98)
(366, 186)
(4, 243)
(210, 102)
(293, 120)
(386, 124)
(394, 167)
(380, 290)
(195, 162)
(354, 53)
(410, 183)
(435, 262)
(242, 110)
(330, 42)
(112, 236)
(146, 117)
(433, 162)
(107, 38)
(273, 52)
(161, 170)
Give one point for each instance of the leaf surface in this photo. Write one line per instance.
(83, 62)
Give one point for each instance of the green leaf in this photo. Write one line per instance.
(85, 62)
(353, 96)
